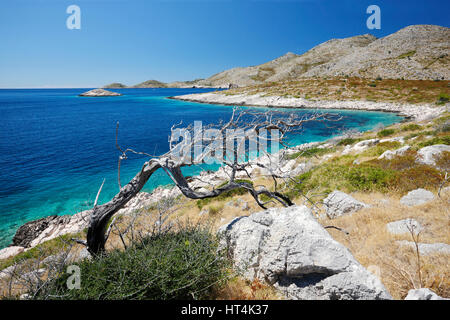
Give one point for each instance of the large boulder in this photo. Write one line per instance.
(291, 250)
(417, 197)
(339, 203)
(422, 294)
(427, 155)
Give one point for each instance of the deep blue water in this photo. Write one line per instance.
(56, 147)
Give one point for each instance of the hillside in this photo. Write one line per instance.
(150, 84)
(115, 85)
(418, 52)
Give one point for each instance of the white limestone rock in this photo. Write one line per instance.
(403, 226)
(417, 197)
(339, 203)
(427, 155)
(288, 248)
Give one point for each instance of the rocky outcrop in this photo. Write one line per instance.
(414, 52)
(35, 232)
(390, 154)
(417, 197)
(10, 251)
(291, 250)
(428, 155)
(422, 294)
(339, 203)
(99, 93)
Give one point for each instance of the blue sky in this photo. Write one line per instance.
(131, 41)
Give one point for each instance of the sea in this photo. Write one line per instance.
(56, 148)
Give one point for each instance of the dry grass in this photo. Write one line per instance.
(389, 90)
(372, 245)
(240, 289)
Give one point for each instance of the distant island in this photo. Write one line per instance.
(99, 93)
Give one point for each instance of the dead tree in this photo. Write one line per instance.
(233, 152)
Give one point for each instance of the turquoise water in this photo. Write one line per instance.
(56, 148)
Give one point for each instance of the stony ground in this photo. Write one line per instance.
(375, 171)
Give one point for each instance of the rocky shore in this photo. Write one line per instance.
(409, 111)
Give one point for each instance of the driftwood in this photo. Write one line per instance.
(172, 162)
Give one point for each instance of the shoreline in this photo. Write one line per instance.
(73, 223)
(408, 111)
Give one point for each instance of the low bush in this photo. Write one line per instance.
(380, 148)
(443, 99)
(312, 152)
(411, 127)
(385, 132)
(183, 264)
(436, 140)
(348, 141)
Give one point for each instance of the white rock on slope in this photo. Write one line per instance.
(427, 155)
(291, 250)
(389, 154)
(403, 226)
(10, 251)
(417, 197)
(339, 203)
(423, 294)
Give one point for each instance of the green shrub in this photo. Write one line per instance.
(405, 55)
(380, 148)
(443, 98)
(348, 141)
(385, 132)
(436, 140)
(411, 127)
(312, 152)
(372, 84)
(42, 250)
(178, 265)
(369, 178)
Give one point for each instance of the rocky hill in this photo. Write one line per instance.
(416, 52)
(115, 85)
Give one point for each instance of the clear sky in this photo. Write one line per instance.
(131, 41)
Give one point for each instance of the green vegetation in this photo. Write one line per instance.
(380, 148)
(184, 264)
(443, 99)
(42, 250)
(348, 141)
(406, 55)
(436, 140)
(411, 127)
(401, 174)
(385, 132)
(312, 152)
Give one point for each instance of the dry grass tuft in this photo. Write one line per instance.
(372, 245)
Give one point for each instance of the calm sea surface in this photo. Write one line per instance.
(56, 148)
